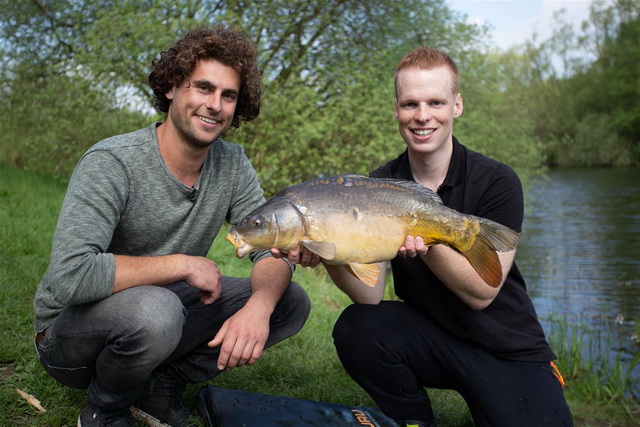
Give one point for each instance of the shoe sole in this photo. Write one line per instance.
(150, 420)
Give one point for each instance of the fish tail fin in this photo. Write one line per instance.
(482, 255)
(499, 237)
(485, 261)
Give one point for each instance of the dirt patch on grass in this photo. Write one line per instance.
(6, 371)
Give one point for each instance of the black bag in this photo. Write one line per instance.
(230, 408)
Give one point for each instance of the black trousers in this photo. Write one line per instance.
(393, 352)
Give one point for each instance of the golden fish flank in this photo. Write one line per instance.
(359, 221)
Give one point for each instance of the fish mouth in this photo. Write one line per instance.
(238, 243)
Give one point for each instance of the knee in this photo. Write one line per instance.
(356, 329)
(157, 317)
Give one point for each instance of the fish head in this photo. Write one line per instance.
(276, 224)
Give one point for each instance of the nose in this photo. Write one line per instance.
(423, 114)
(214, 102)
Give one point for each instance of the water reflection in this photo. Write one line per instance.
(580, 254)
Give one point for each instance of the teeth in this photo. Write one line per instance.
(423, 132)
(206, 120)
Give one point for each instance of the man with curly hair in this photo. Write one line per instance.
(130, 308)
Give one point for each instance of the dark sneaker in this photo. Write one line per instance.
(92, 416)
(162, 399)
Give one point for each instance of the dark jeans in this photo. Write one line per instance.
(112, 346)
(393, 352)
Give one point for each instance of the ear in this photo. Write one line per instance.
(169, 94)
(458, 106)
(395, 108)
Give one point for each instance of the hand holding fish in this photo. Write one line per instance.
(298, 255)
(412, 247)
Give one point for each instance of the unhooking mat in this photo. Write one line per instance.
(222, 407)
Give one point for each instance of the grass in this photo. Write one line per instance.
(304, 366)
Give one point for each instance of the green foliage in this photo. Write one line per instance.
(495, 121)
(49, 119)
(328, 80)
(75, 71)
(298, 136)
(588, 113)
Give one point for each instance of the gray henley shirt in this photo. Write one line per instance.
(122, 199)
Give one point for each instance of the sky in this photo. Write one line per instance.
(515, 21)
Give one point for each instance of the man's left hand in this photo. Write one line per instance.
(412, 247)
(241, 339)
(299, 255)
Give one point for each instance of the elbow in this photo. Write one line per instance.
(368, 299)
(482, 296)
(478, 304)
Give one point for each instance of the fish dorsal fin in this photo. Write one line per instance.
(325, 250)
(415, 187)
(367, 273)
(418, 188)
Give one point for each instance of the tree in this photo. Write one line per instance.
(583, 89)
(328, 69)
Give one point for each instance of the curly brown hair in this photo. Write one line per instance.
(227, 45)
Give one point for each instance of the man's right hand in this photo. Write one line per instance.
(204, 275)
(197, 271)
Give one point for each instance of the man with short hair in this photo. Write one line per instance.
(450, 330)
(130, 308)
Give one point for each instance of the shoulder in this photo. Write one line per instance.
(481, 169)
(136, 138)
(222, 148)
(228, 158)
(393, 168)
(488, 188)
(123, 149)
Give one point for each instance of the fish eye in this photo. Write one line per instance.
(257, 222)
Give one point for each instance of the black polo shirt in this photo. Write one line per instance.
(508, 327)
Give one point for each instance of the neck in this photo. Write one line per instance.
(430, 169)
(183, 160)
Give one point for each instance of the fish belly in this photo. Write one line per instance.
(362, 238)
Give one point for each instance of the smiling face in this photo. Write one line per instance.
(202, 107)
(425, 107)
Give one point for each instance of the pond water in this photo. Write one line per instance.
(580, 255)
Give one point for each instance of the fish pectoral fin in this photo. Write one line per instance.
(325, 250)
(367, 273)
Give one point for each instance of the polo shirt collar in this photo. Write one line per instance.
(454, 173)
